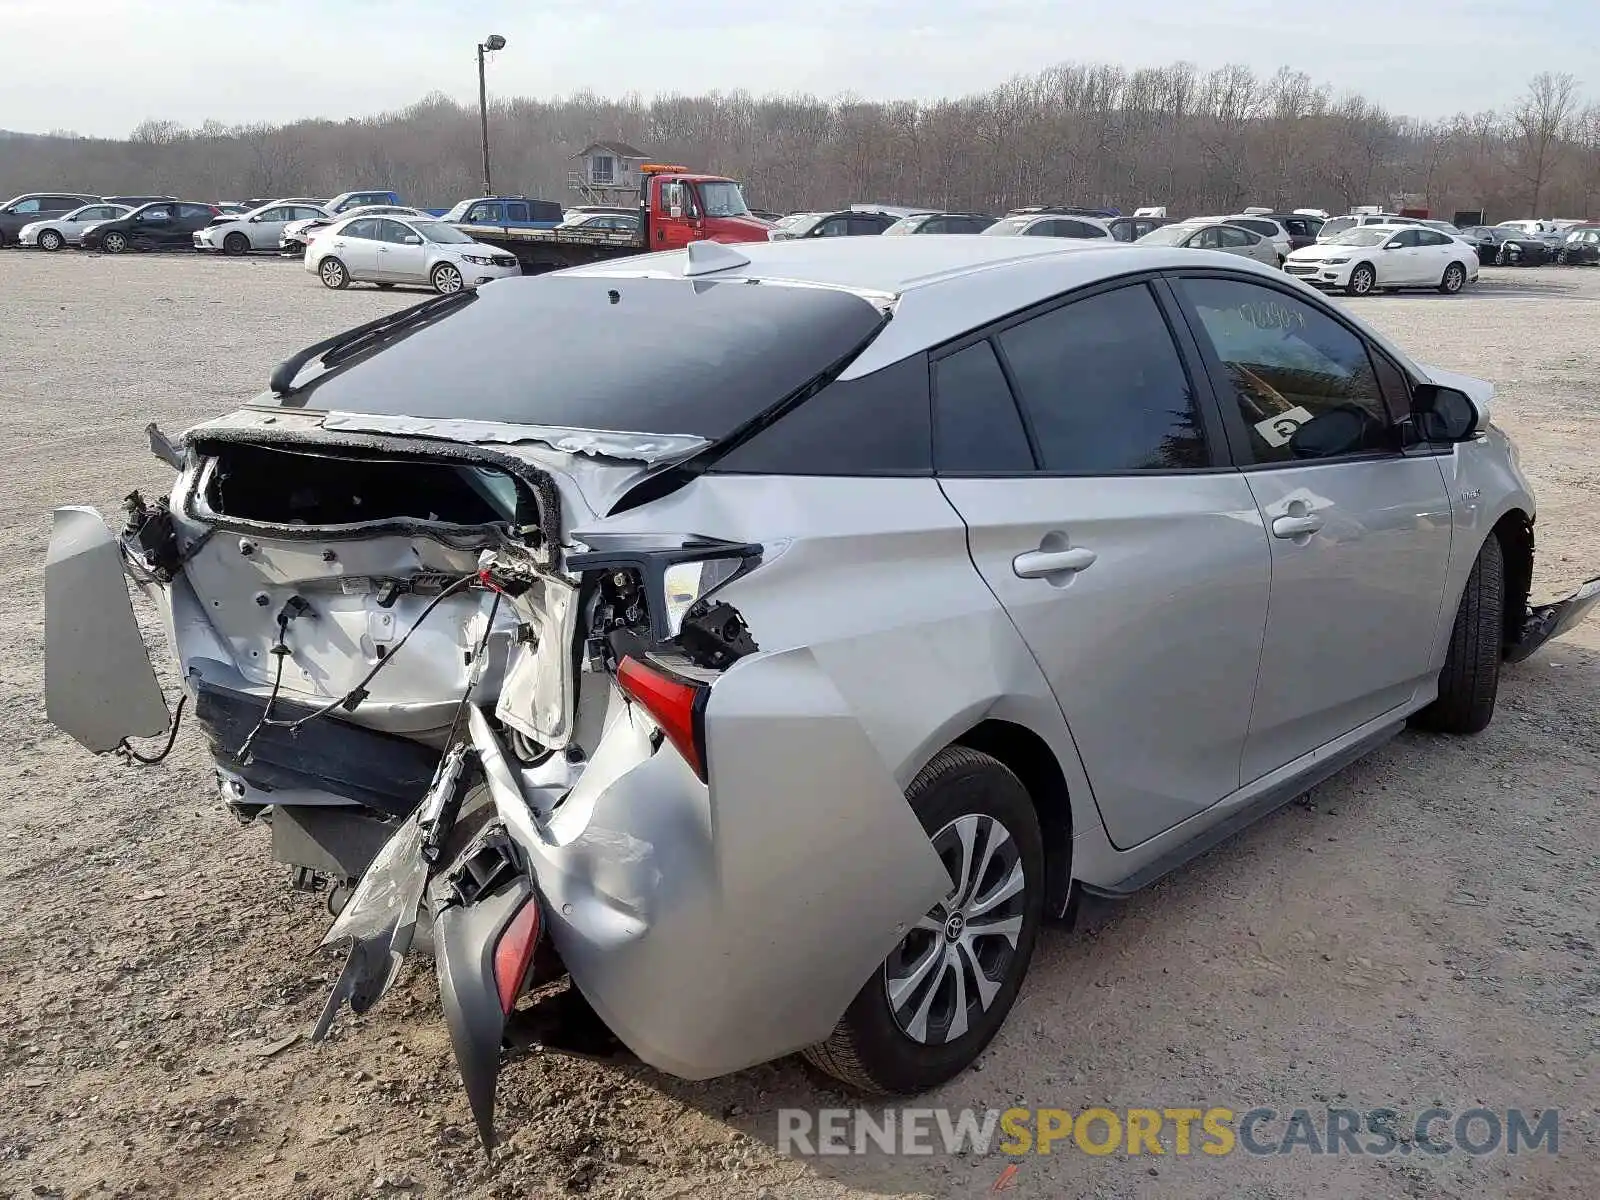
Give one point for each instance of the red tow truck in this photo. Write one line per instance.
(676, 207)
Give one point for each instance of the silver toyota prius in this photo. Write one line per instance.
(771, 637)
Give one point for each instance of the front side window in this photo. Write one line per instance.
(833, 227)
(394, 233)
(364, 228)
(25, 206)
(484, 214)
(1407, 239)
(156, 213)
(1207, 239)
(1103, 388)
(1288, 363)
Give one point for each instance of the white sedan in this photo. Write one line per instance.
(1370, 258)
(261, 229)
(67, 229)
(297, 234)
(391, 250)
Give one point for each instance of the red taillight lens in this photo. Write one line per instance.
(674, 705)
(513, 953)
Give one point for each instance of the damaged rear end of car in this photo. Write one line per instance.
(430, 642)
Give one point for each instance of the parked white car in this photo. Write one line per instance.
(1333, 228)
(1266, 227)
(1048, 224)
(67, 229)
(297, 234)
(261, 229)
(1374, 257)
(391, 250)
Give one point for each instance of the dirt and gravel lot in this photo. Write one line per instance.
(1421, 930)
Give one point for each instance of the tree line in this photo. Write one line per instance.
(1196, 141)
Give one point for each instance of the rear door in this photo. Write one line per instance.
(1088, 465)
(356, 245)
(1435, 252)
(1360, 528)
(188, 219)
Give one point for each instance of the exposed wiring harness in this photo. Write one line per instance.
(352, 699)
(134, 758)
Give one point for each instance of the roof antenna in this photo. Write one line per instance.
(707, 257)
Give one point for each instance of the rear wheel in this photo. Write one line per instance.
(1471, 675)
(1362, 280)
(1455, 276)
(50, 240)
(236, 244)
(446, 279)
(945, 990)
(333, 274)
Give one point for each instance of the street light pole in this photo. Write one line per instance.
(493, 42)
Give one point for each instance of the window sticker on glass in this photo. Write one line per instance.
(1277, 429)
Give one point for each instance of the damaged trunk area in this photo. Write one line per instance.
(302, 486)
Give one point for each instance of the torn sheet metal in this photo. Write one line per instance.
(649, 448)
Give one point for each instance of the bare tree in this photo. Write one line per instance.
(1539, 122)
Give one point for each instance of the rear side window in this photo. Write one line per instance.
(1103, 388)
(1079, 229)
(874, 425)
(975, 420)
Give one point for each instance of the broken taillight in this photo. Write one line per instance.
(676, 706)
(513, 953)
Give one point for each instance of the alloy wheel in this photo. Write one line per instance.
(446, 279)
(115, 243)
(50, 240)
(948, 969)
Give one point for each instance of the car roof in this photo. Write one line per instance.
(944, 286)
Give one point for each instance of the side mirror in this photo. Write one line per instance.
(1393, 246)
(1344, 429)
(412, 239)
(1443, 414)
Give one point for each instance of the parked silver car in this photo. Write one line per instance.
(67, 229)
(782, 675)
(260, 229)
(1214, 235)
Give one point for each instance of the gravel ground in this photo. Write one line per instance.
(1421, 929)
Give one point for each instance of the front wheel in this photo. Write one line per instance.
(1471, 675)
(236, 244)
(114, 243)
(50, 240)
(1362, 280)
(333, 274)
(446, 279)
(1455, 277)
(945, 990)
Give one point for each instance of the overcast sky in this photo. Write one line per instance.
(102, 66)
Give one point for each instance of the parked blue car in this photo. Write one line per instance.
(506, 212)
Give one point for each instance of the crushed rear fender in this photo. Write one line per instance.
(99, 685)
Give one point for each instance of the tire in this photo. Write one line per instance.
(114, 242)
(236, 244)
(878, 1048)
(1455, 278)
(1362, 280)
(1471, 674)
(333, 274)
(446, 279)
(51, 240)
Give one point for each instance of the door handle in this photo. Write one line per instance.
(1296, 526)
(1036, 564)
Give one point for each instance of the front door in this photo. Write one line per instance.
(1360, 529)
(677, 217)
(1399, 259)
(1132, 561)
(151, 227)
(401, 256)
